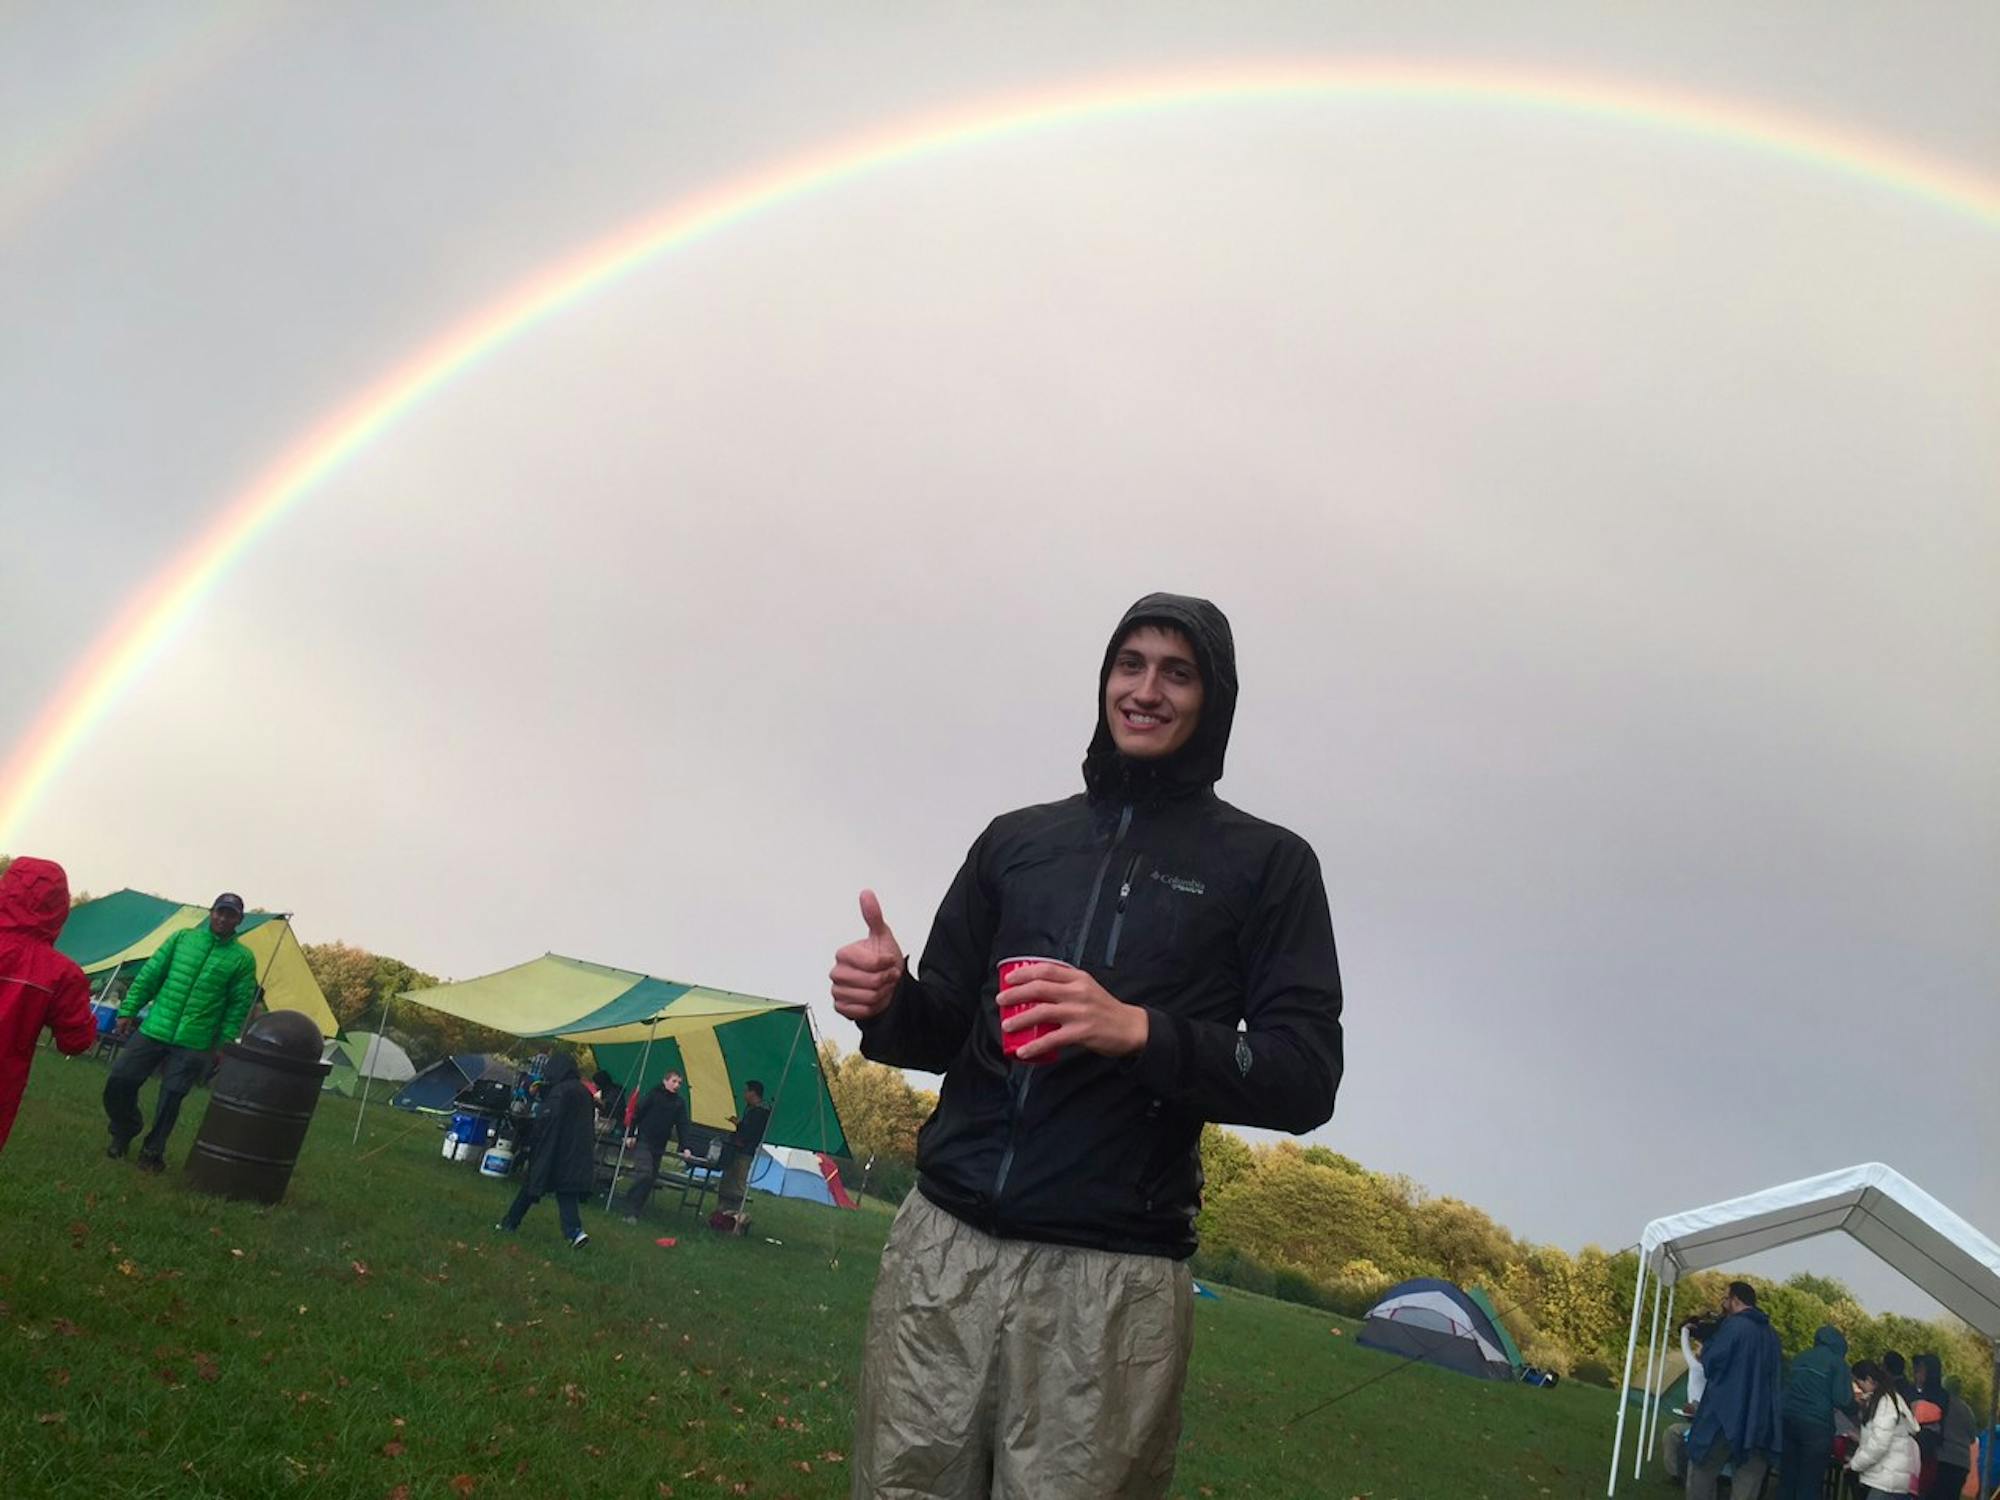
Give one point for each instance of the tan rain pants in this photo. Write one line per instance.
(1017, 1370)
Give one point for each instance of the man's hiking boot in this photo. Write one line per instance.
(148, 1162)
(116, 1150)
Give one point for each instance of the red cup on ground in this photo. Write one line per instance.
(1011, 1042)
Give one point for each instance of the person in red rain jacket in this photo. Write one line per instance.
(38, 986)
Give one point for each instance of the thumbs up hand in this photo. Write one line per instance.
(866, 972)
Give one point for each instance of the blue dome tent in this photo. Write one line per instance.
(1441, 1324)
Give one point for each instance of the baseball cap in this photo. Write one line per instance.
(228, 900)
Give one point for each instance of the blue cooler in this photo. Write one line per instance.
(468, 1131)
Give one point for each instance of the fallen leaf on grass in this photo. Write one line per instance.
(400, 1492)
(58, 1377)
(206, 1367)
(834, 1456)
(392, 1450)
(51, 1418)
(126, 1268)
(462, 1484)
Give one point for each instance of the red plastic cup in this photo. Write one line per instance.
(1012, 1042)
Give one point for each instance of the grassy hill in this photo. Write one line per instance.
(373, 1336)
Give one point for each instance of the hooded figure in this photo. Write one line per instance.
(1816, 1387)
(39, 987)
(1195, 980)
(562, 1156)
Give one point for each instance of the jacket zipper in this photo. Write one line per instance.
(1024, 1078)
(1118, 917)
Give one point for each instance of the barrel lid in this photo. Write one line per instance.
(284, 1033)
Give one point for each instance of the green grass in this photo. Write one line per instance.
(373, 1336)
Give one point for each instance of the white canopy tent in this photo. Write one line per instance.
(1884, 1210)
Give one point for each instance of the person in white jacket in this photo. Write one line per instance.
(1886, 1460)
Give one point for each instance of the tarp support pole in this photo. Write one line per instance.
(1655, 1367)
(630, 1083)
(368, 1077)
(1625, 1387)
(779, 1097)
(284, 921)
(1660, 1392)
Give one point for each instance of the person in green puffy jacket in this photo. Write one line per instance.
(201, 983)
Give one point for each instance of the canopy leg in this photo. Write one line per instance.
(1655, 1366)
(1625, 1386)
(374, 1055)
(631, 1083)
(1659, 1392)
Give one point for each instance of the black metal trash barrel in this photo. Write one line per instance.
(259, 1107)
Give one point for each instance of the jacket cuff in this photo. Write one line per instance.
(883, 1024)
(1158, 1064)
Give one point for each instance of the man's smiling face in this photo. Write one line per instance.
(1152, 697)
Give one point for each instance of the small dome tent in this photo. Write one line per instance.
(1442, 1324)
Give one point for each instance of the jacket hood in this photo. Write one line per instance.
(561, 1069)
(34, 898)
(1198, 763)
(1755, 1315)
(1832, 1340)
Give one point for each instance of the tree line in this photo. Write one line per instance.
(1309, 1225)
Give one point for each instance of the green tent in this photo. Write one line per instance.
(356, 1058)
(117, 933)
(1507, 1345)
(641, 1027)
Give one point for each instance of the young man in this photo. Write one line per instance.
(1739, 1418)
(39, 987)
(662, 1115)
(201, 983)
(740, 1148)
(1032, 1323)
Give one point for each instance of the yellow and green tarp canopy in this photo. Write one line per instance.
(640, 1027)
(124, 928)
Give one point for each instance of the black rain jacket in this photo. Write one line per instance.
(661, 1115)
(1170, 898)
(563, 1155)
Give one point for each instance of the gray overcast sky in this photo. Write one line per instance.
(1607, 517)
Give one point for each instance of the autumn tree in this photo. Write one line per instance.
(879, 1109)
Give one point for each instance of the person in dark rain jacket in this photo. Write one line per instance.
(1032, 1322)
(1817, 1385)
(1738, 1420)
(39, 987)
(562, 1157)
